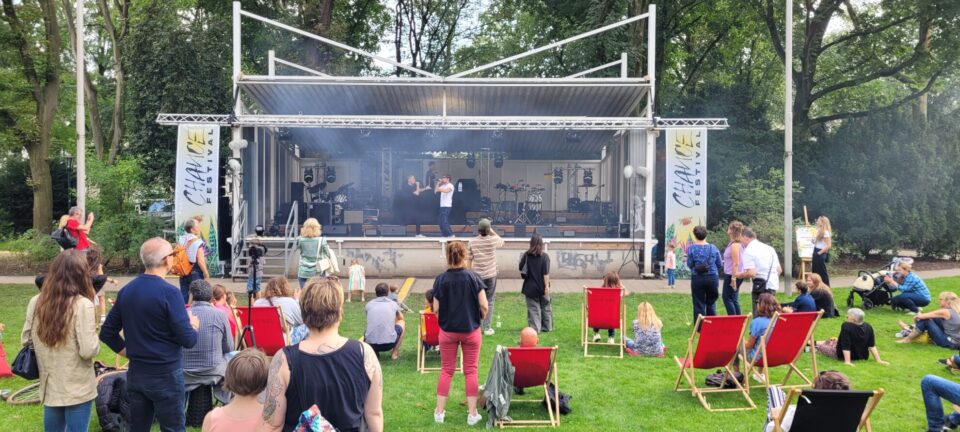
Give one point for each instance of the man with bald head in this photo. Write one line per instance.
(156, 327)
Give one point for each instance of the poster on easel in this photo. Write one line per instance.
(806, 238)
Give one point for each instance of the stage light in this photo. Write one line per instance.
(498, 160)
(308, 175)
(330, 174)
(557, 175)
(588, 177)
(628, 172)
(471, 160)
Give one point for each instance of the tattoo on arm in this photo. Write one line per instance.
(275, 387)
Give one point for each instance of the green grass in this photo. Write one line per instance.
(608, 394)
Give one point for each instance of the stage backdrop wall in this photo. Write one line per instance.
(686, 187)
(197, 185)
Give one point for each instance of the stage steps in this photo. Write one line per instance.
(273, 262)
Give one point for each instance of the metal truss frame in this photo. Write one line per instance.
(439, 122)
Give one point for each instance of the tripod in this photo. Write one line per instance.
(255, 253)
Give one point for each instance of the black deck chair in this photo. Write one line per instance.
(830, 410)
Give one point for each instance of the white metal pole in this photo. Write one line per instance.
(271, 64)
(788, 153)
(236, 53)
(624, 66)
(648, 202)
(651, 57)
(81, 124)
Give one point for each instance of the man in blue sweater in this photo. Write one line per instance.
(156, 327)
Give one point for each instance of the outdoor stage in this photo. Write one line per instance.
(571, 158)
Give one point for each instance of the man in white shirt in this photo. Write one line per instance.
(760, 263)
(445, 189)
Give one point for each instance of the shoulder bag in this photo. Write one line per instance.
(760, 285)
(323, 264)
(25, 365)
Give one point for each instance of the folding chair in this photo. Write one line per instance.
(833, 410)
(535, 366)
(428, 332)
(718, 343)
(604, 309)
(235, 316)
(782, 345)
(269, 328)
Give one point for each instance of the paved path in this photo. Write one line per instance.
(508, 285)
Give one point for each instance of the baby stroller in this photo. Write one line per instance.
(871, 288)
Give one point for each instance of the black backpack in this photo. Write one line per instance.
(564, 400)
(63, 238)
(112, 407)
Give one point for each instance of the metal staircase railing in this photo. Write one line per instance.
(239, 234)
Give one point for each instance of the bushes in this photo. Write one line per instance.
(34, 248)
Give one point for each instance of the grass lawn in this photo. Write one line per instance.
(608, 394)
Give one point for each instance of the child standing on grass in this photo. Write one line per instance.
(358, 280)
(670, 261)
(246, 377)
(647, 340)
(428, 308)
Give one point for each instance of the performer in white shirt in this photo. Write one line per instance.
(445, 189)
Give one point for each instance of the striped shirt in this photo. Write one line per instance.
(483, 252)
(213, 338)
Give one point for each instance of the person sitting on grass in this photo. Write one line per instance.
(246, 378)
(767, 306)
(934, 388)
(385, 323)
(943, 325)
(529, 337)
(610, 280)
(855, 342)
(647, 340)
(822, 295)
(395, 297)
(913, 291)
(827, 380)
(803, 303)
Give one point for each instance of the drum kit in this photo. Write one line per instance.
(527, 211)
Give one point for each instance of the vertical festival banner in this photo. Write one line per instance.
(686, 188)
(197, 187)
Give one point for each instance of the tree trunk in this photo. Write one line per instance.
(118, 100)
(42, 184)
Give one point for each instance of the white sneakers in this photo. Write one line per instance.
(758, 377)
(610, 340)
(596, 337)
(490, 332)
(471, 419)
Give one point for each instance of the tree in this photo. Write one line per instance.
(39, 59)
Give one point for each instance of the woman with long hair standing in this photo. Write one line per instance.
(731, 266)
(535, 271)
(460, 303)
(821, 249)
(313, 248)
(61, 325)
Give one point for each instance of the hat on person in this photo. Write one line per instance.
(483, 224)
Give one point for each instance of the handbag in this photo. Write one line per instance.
(25, 365)
(760, 285)
(63, 238)
(323, 264)
(524, 269)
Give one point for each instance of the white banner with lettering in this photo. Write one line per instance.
(686, 188)
(197, 186)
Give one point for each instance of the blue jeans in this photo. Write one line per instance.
(910, 301)
(160, 396)
(671, 276)
(185, 282)
(933, 388)
(445, 229)
(934, 328)
(250, 283)
(73, 418)
(731, 295)
(703, 289)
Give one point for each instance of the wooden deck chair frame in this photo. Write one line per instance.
(793, 369)
(422, 356)
(236, 320)
(553, 411)
(283, 327)
(586, 328)
(864, 418)
(689, 372)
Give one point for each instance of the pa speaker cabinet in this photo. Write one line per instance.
(519, 230)
(549, 231)
(356, 230)
(393, 230)
(336, 230)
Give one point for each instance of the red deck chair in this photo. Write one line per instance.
(783, 343)
(269, 327)
(535, 367)
(429, 333)
(603, 309)
(717, 345)
(235, 316)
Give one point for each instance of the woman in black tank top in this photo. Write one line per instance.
(340, 376)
